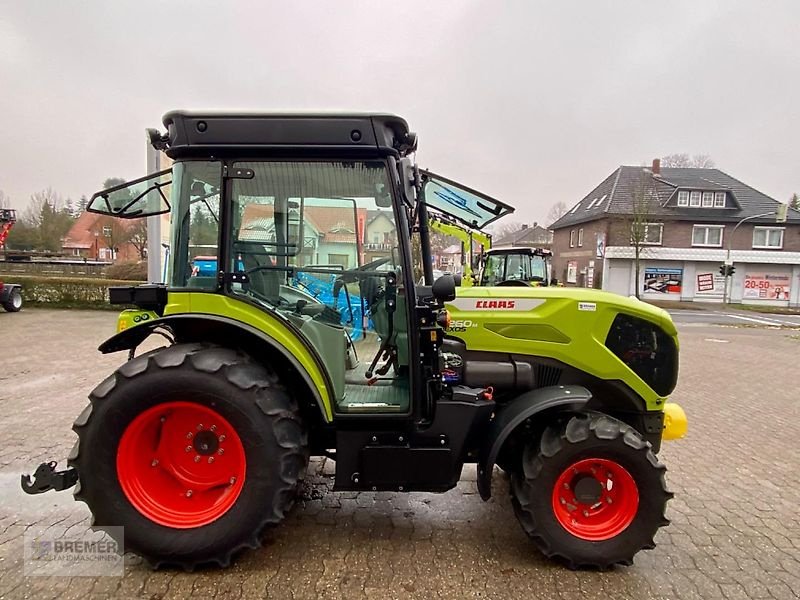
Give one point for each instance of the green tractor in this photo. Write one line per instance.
(198, 446)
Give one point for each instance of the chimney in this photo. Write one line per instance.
(656, 166)
(535, 224)
(524, 225)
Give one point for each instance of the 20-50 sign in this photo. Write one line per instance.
(766, 286)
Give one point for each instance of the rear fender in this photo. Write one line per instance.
(6, 289)
(514, 414)
(241, 333)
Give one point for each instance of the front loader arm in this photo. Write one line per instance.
(466, 237)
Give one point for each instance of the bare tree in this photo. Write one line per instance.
(112, 233)
(47, 215)
(643, 203)
(138, 236)
(507, 228)
(794, 201)
(558, 210)
(697, 161)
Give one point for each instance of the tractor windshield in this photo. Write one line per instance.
(195, 224)
(514, 267)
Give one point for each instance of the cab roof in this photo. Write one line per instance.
(521, 250)
(218, 134)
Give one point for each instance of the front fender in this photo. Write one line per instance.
(514, 414)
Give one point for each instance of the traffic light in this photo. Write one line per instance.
(731, 269)
(723, 270)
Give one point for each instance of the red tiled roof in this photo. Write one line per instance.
(336, 224)
(82, 233)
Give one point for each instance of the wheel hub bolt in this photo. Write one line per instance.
(586, 513)
(210, 459)
(188, 493)
(222, 438)
(213, 428)
(563, 501)
(566, 486)
(189, 435)
(154, 463)
(199, 427)
(197, 458)
(609, 500)
(221, 451)
(233, 480)
(188, 448)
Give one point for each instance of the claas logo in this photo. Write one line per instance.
(494, 304)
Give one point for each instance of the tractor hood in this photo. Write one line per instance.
(583, 329)
(518, 301)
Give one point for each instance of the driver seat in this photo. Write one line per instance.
(264, 282)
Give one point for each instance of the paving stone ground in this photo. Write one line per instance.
(735, 529)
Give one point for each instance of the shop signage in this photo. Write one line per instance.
(766, 286)
(663, 280)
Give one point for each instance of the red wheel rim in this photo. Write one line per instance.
(181, 464)
(595, 499)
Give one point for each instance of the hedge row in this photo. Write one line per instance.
(65, 292)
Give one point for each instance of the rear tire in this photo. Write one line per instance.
(14, 301)
(199, 497)
(591, 492)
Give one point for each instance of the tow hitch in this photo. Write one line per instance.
(46, 478)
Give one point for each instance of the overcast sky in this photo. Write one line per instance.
(531, 102)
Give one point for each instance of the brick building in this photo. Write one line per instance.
(690, 222)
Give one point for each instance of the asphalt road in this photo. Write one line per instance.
(735, 529)
(733, 317)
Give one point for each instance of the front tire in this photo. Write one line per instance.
(194, 449)
(591, 492)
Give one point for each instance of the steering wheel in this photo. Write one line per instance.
(370, 266)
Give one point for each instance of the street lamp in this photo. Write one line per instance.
(728, 262)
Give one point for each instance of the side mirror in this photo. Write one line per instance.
(458, 279)
(444, 288)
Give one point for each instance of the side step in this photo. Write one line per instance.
(46, 478)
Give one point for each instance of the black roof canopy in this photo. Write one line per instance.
(207, 133)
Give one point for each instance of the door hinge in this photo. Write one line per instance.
(237, 173)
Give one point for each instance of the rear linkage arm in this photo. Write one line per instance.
(46, 478)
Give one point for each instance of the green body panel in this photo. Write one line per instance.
(565, 324)
(133, 317)
(264, 321)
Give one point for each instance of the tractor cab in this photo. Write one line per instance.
(517, 267)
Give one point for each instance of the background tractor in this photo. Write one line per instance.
(517, 267)
(197, 446)
(10, 293)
